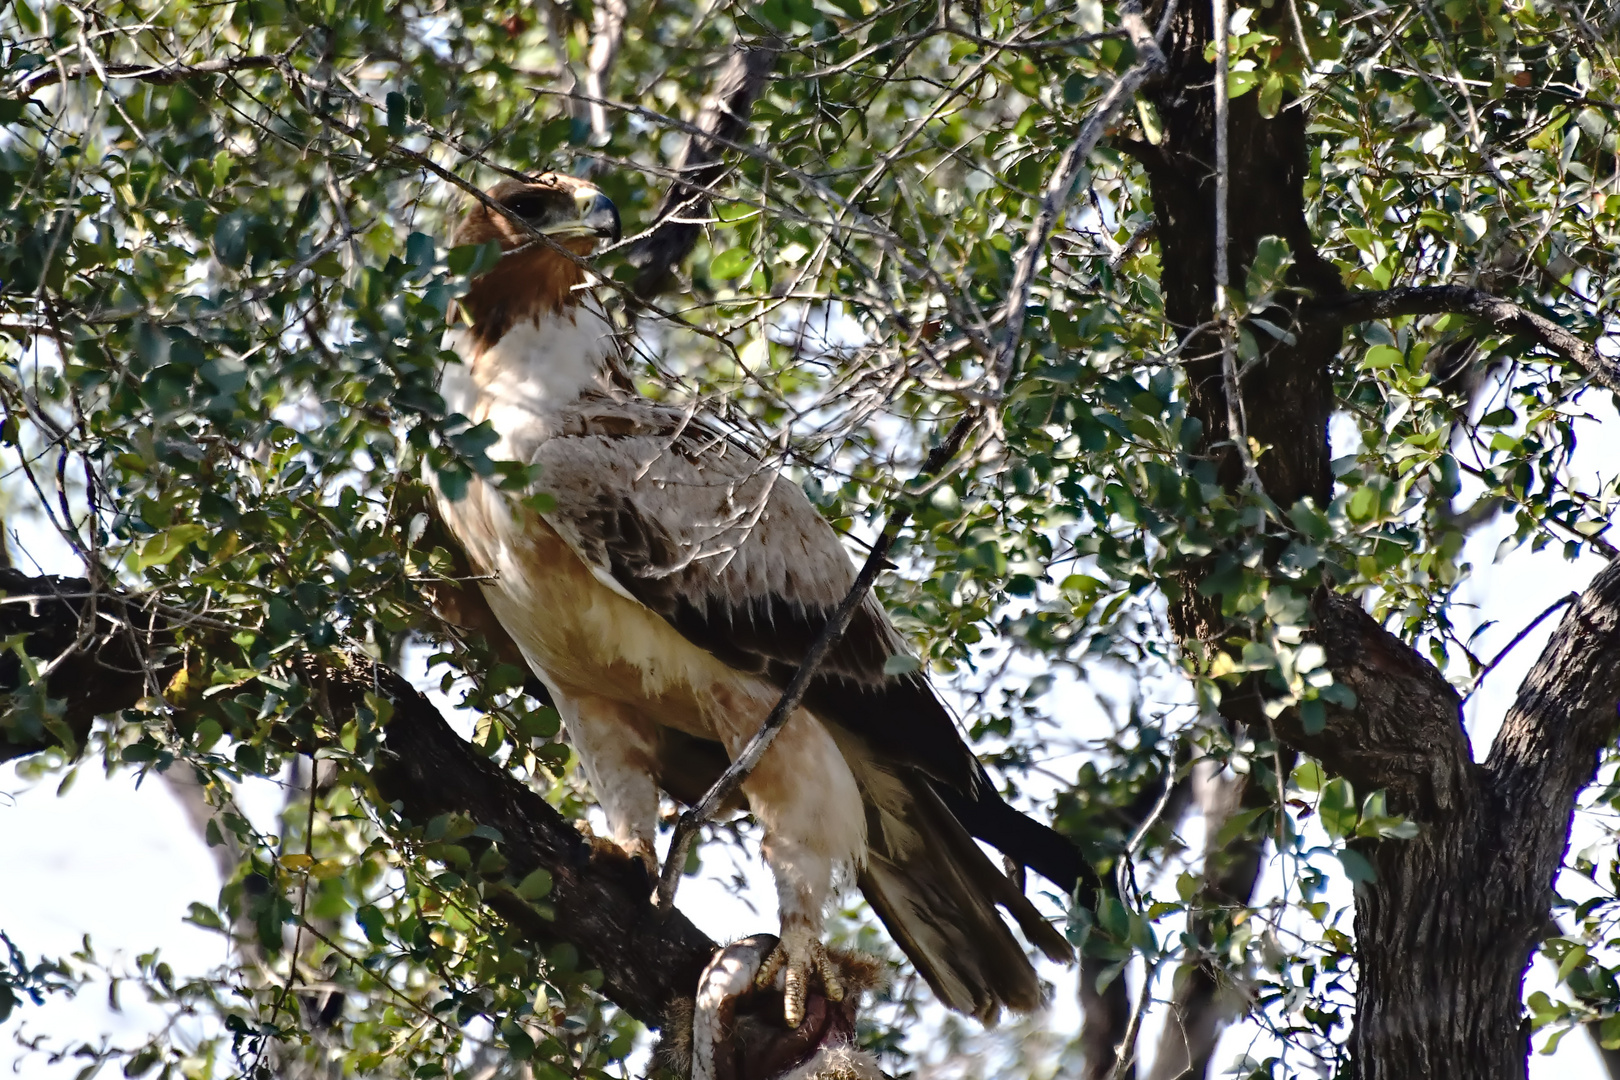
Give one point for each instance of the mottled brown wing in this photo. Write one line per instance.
(737, 560)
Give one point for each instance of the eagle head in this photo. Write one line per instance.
(573, 212)
(533, 279)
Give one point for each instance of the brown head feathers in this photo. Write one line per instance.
(536, 280)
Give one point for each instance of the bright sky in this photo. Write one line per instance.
(122, 864)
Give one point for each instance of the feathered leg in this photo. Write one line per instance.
(617, 749)
(804, 795)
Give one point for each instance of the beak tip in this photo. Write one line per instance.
(600, 216)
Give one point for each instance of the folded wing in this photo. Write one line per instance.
(685, 521)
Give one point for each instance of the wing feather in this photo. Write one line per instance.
(739, 561)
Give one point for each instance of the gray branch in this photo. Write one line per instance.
(1504, 315)
(723, 119)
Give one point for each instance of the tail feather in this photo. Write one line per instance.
(1022, 839)
(937, 894)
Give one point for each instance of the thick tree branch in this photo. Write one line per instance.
(723, 119)
(1405, 732)
(1504, 315)
(600, 896)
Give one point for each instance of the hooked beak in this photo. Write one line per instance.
(597, 216)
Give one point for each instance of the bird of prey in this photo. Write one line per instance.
(665, 588)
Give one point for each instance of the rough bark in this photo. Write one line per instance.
(1444, 934)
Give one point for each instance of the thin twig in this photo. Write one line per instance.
(744, 763)
(161, 75)
(1300, 43)
(1125, 873)
(1517, 638)
(1236, 429)
(1058, 189)
(1126, 1055)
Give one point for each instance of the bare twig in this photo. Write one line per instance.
(1125, 1057)
(162, 74)
(744, 763)
(1058, 189)
(1126, 870)
(1236, 429)
(1503, 314)
(1517, 638)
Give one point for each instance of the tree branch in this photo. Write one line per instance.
(1405, 732)
(161, 74)
(1564, 715)
(650, 960)
(1201, 1005)
(723, 119)
(1504, 315)
(1058, 189)
(599, 894)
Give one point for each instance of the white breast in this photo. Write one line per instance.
(535, 368)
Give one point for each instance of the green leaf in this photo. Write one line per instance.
(207, 734)
(1357, 868)
(396, 107)
(1239, 824)
(536, 886)
(731, 264)
(1572, 960)
(471, 260)
(901, 664)
(1240, 82)
(372, 922)
(1337, 808)
(1382, 357)
(160, 550)
(1271, 92)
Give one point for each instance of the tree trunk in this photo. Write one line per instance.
(1443, 936)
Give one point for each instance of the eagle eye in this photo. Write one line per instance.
(527, 205)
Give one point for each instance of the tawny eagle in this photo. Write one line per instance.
(665, 598)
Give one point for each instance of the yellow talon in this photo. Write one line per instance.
(793, 997)
(796, 957)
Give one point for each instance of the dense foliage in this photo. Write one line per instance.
(225, 278)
